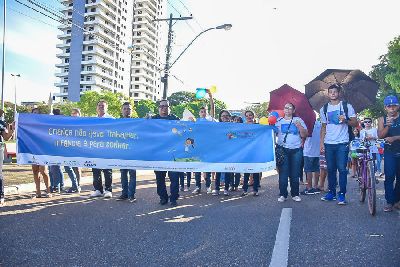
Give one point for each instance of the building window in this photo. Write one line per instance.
(136, 86)
(136, 94)
(90, 48)
(66, 60)
(65, 79)
(88, 78)
(89, 57)
(89, 68)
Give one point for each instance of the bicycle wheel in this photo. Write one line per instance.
(363, 187)
(371, 188)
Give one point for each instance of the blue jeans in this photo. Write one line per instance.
(197, 176)
(290, 169)
(227, 180)
(256, 181)
(128, 188)
(235, 181)
(182, 179)
(56, 176)
(72, 176)
(162, 188)
(336, 160)
(378, 162)
(392, 175)
(97, 181)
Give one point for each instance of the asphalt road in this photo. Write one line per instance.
(204, 230)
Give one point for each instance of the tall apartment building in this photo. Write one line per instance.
(94, 49)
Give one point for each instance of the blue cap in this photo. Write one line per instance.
(391, 100)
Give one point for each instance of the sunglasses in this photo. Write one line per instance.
(367, 121)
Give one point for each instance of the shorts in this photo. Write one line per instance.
(311, 164)
(322, 161)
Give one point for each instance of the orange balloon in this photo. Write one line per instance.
(272, 120)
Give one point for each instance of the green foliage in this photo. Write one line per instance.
(259, 110)
(66, 107)
(143, 107)
(181, 97)
(89, 100)
(387, 74)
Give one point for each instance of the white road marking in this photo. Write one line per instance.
(280, 253)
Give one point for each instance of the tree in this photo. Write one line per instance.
(89, 100)
(181, 97)
(66, 107)
(393, 56)
(143, 107)
(260, 110)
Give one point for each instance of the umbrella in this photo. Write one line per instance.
(358, 88)
(285, 94)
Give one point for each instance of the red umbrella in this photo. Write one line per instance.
(286, 94)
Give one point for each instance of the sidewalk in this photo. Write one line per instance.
(87, 180)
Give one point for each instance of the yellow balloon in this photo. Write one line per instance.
(264, 121)
(213, 89)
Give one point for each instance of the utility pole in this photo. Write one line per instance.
(164, 79)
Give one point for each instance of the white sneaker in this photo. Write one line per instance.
(209, 191)
(196, 191)
(296, 198)
(226, 193)
(186, 189)
(2, 201)
(96, 193)
(107, 194)
(215, 192)
(230, 188)
(281, 199)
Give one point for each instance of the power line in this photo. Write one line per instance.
(23, 14)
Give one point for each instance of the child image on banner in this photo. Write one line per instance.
(189, 144)
(188, 147)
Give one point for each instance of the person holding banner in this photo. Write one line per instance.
(291, 130)
(36, 169)
(128, 188)
(256, 176)
(6, 131)
(224, 116)
(101, 109)
(164, 114)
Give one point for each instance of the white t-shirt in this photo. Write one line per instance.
(293, 139)
(311, 146)
(336, 132)
(368, 133)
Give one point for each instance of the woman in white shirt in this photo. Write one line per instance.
(291, 130)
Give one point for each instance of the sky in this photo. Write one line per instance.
(272, 42)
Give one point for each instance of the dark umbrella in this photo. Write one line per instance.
(286, 94)
(358, 88)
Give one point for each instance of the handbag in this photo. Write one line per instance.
(280, 150)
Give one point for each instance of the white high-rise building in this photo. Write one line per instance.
(148, 48)
(94, 50)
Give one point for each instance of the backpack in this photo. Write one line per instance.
(346, 113)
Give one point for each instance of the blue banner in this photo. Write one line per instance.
(144, 144)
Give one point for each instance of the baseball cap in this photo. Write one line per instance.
(391, 100)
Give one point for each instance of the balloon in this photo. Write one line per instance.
(201, 92)
(264, 121)
(213, 89)
(281, 113)
(272, 120)
(354, 155)
(274, 113)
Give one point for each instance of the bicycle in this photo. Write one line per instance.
(365, 173)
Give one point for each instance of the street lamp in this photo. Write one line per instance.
(15, 93)
(164, 79)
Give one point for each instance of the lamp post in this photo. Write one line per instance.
(4, 54)
(168, 66)
(15, 93)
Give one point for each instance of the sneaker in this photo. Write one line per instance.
(182, 189)
(244, 193)
(311, 191)
(230, 188)
(226, 193)
(174, 203)
(255, 194)
(96, 193)
(209, 191)
(235, 188)
(381, 174)
(2, 201)
(186, 189)
(281, 199)
(305, 192)
(132, 199)
(163, 201)
(388, 208)
(341, 199)
(296, 198)
(107, 194)
(196, 191)
(317, 191)
(122, 198)
(215, 192)
(328, 197)
(72, 190)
